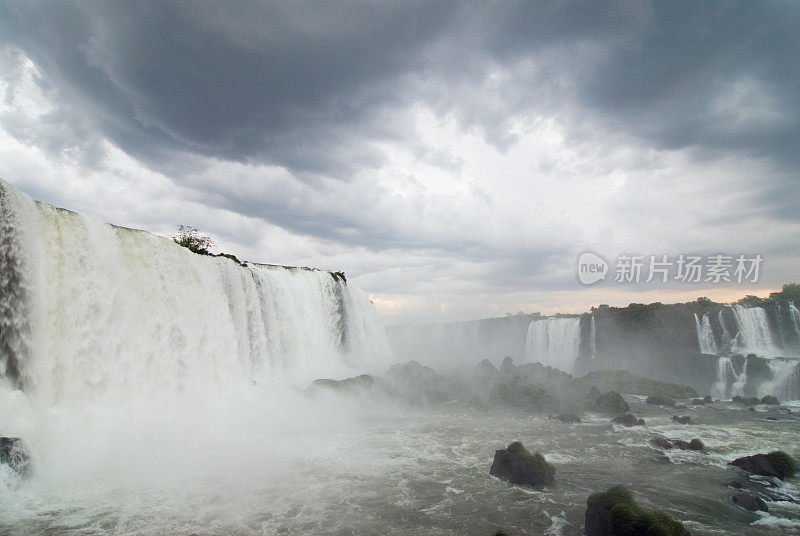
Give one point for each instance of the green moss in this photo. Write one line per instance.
(771, 400)
(696, 444)
(613, 495)
(612, 402)
(626, 419)
(535, 461)
(630, 519)
(783, 463)
(660, 401)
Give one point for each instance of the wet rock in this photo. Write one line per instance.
(749, 502)
(611, 402)
(359, 384)
(615, 513)
(668, 444)
(683, 419)
(517, 465)
(766, 488)
(15, 454)
(628, 420)
(660, 401)
(776, 464)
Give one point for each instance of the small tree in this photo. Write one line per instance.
(191, 239)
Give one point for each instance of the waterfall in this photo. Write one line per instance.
(705, 336)
(726, 335)
(593, 338)
(730, 382)
(785, 382)
(94, 311)
(794, 315)
(754, 334)
(554, 342)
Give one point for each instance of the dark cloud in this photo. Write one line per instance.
(282, 112)
(290, 83)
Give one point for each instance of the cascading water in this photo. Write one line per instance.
(705, 336)
(794, 315)
(785, 382)
(726, 335)
(593, 339)
(730, 382)
(554, 342)
(93, 311)
(754, 333)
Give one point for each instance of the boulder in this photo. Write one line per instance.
(776, 464)
(667, 444)
(359, 384)
(628, 420)
(614, 512)
(519, 466)
(749, 502)
(15, 454)
(660, 401)
(611, 402)
(683, 419)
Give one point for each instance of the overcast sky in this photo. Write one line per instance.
(452, 158)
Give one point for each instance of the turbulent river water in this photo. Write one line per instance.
(266, 464)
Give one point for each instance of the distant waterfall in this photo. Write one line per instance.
(705, 336)
(727, 339)
(730, 382)
(785, 382)
(754, 335)
(593, 339)
(554, 342)
(794, 315)
(90, 310)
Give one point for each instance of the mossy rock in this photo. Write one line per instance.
(784, 464)
(627, 419)
(611, 402)
(696, 444)
(776, 464)
(660, 401)
(771, 400)
(615, 513)
(519, 466)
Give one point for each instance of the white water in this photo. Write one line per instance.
(785, 382)
(730, 382)
(114, 313)
(554, 342)
(726, 336)
(148, 379)
(754, 335)
(794, 314)
(705, 336)
(593, 339)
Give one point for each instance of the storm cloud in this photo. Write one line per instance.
(474, 147)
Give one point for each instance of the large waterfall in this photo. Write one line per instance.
(554, 342)
(93, 311)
